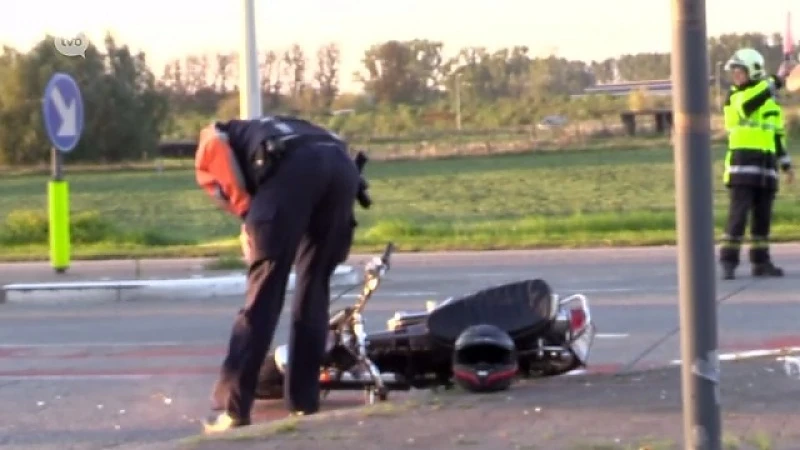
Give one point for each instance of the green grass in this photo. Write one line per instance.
(547, 199)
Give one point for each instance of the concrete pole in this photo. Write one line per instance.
(249, 80)
(695, 227)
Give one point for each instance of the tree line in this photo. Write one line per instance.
(408, 86)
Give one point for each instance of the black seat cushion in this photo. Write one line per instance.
(519, 308)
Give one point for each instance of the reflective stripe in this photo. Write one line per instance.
(753, 170)
(785, 159)
(760, 126)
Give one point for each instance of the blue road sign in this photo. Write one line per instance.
(63, 112)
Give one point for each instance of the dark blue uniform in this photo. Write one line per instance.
(301, 212)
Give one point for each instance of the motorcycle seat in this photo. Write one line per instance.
(519, 308)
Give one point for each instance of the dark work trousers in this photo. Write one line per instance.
(302, 214)
(757, 202)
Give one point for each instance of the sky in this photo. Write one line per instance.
(577, 29)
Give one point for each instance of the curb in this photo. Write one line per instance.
(195, 288)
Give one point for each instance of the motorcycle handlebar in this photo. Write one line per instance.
(374, 271)
(387, 255)
(378, 266)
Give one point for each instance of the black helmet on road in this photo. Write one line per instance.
(484, 359)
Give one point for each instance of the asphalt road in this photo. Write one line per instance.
(89, 376)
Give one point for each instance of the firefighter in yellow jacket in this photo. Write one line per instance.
(756, 152)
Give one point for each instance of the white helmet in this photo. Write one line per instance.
(751, 60)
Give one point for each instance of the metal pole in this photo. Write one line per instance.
(56, 164)
(695, 226)
(249, 85)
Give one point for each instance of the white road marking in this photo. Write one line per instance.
(605, 290)
(106, 344)
(395, 294)
(611, 290)
(749, 354)
(115, 377)
(584, 290)
(452, 275)
(644, 289)
(611, 335)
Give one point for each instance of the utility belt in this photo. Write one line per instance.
(265, 160)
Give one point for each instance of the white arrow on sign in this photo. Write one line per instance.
(68, 113)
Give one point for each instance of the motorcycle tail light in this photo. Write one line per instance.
(577, 319)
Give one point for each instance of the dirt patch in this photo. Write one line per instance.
(632, 411)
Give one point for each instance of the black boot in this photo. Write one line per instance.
(766, 269)
(728, 271)
(729, 258)
(761, 262)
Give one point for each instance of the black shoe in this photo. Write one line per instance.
(728, 273)
(766, 270)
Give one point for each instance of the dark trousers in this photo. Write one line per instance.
(302, 214)
(757, 203)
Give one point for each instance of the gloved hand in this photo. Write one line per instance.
(363, 197)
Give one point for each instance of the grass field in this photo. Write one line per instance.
(564, 198)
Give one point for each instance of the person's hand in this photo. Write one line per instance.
(247, 244)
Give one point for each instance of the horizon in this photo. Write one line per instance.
(204, 29)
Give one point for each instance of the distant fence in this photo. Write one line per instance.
(431, 143)
(653, 87)
(177, 149)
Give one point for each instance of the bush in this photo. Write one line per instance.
(24, 227)
(89, 227)
(28, 227)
